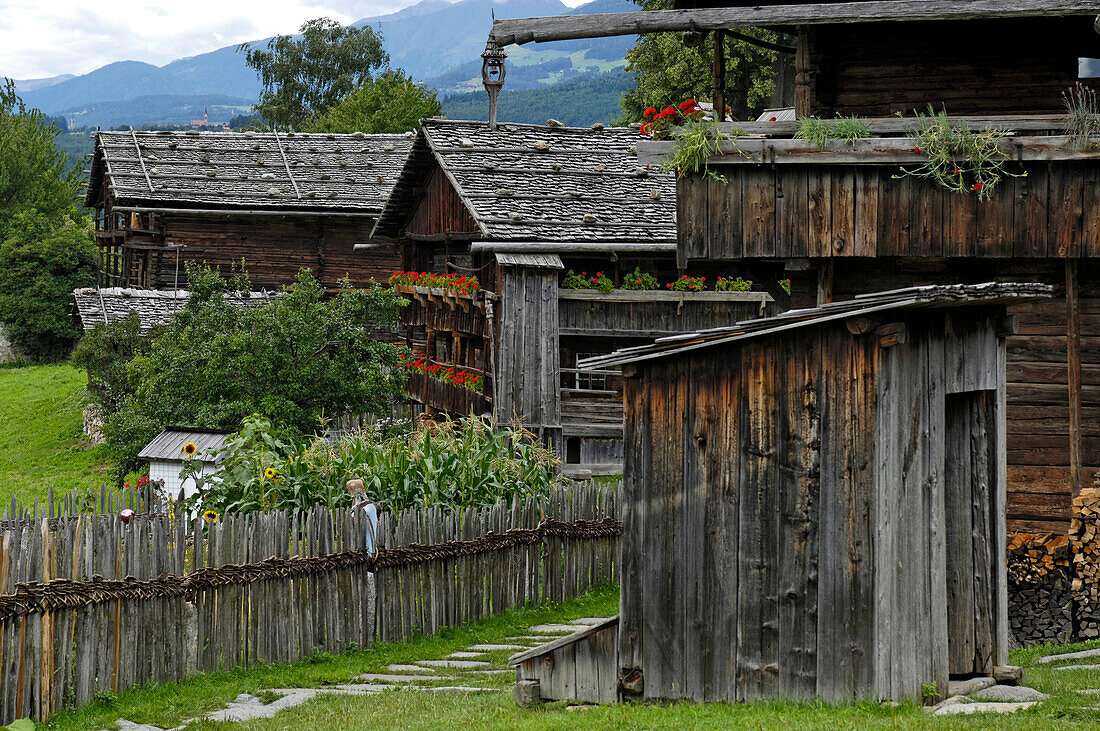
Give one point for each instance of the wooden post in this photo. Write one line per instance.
(804, 73)
(719, 96)
(825, 282)
(1073, 363)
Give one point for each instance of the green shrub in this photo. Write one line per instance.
(41, 263)
(295, 359)
(731, 284)
(453, 465)
(105, 353)
(638, 279)
(688, 284)
(583, 281)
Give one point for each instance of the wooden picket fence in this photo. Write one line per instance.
(61, 656)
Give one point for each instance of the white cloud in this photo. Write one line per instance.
(39, 39)
(69, 37)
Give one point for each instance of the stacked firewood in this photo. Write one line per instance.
(1084, 532)
(1040, 601)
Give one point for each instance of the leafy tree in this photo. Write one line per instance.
(668, 72)
(392, 102)
(32, 169)
(41, 263)
(303, 77)
(293, 360)
(105, 353)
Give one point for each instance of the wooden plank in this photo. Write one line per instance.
(1073, 368)
(960, 526)
(758, 211)
(724, 237)
(799, 468)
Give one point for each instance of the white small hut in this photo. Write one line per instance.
(167, 453)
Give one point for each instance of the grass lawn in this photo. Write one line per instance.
(168, 704)
(41, 442)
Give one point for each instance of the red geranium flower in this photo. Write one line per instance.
(978, 186)
(772, 119)
(917, 151)
(649, 112)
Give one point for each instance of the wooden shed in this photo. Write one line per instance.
(519, 207)
(814, 502)
(277, 202)
(166, 455)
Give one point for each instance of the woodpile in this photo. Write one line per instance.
(1040, 600)
(1084, 530)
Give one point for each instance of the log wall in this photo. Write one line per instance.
(273, 250)
(440, 210)
(771, 492)
(795, 210)
(970, 67)
(1040, 467)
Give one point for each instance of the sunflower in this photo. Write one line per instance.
(269, 472)
(210, 516)
(189, 449)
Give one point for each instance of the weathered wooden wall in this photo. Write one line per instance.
(1040, 465)
(625, 314)
(970, 67)
(273, 249)
(527, 356)
(868, 210)
(441, 210)
(770, 493)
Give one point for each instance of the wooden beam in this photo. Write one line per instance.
(758, 150)
(825, 282)
(567, 27)
(719, 94)
(1073, 363)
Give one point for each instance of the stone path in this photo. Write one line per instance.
(466, 668)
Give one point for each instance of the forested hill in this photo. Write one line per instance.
(578, 103)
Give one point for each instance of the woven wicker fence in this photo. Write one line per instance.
(90, 603)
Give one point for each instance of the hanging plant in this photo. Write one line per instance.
(956, 157)
(822, 132)
(698, 138)
(1083, 120)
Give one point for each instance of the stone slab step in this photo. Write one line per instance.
(588, 620)
(1095, 652)
(398, 677)
(406, 668)
(491, 648)
(1009, 694)
(1078, 667)
(968, 708)
(467, 664)
(553, 629)
(466, 655)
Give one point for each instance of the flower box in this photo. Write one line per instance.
(446, 397)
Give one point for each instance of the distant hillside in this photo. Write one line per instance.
(576, 103)
(24, 85)
(158, 109)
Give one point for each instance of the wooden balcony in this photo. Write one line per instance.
(444, 397)
(441, 310)
(787, 198)
(650, 314)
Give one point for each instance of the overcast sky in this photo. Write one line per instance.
(41, 38)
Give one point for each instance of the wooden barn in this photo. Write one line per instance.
(277, 202)
(844, 218)
(519, 207)
(813, 505)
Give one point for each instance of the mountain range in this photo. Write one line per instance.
(435, 41)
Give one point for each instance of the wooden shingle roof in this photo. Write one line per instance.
(110, 305)
(936, 296)
(538, 183)
(345, 173)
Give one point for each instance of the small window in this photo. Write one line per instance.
(1088, 68)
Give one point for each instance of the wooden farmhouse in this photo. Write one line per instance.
(277, 202)
(844, 218)
(519, 207)
(813, 506)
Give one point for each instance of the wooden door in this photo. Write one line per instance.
(970, 483)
